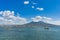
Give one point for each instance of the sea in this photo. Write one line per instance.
(29, 33)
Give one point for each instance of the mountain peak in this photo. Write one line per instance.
(40, 23)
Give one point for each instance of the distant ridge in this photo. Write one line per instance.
(40, 24)
(33, 24)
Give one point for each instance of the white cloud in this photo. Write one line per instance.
(56, 22)
(1, 12)
(46, 20)
(33, 7)
(7, 13)
(37, 19)
(26, 2)
(9, 18)
(40, 9)
(34, 3)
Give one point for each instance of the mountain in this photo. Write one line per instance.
(39, 24)
(32, 24)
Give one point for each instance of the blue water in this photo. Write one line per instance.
(29, 33)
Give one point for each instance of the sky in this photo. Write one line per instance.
(35, 10)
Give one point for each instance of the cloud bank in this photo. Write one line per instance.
(40, 18)
(8, 17)
(46, 20)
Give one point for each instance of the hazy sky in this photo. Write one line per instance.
(32, 8)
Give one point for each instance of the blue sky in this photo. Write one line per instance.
(51, 7)
(47, 8)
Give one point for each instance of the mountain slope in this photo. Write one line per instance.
(40, 24)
